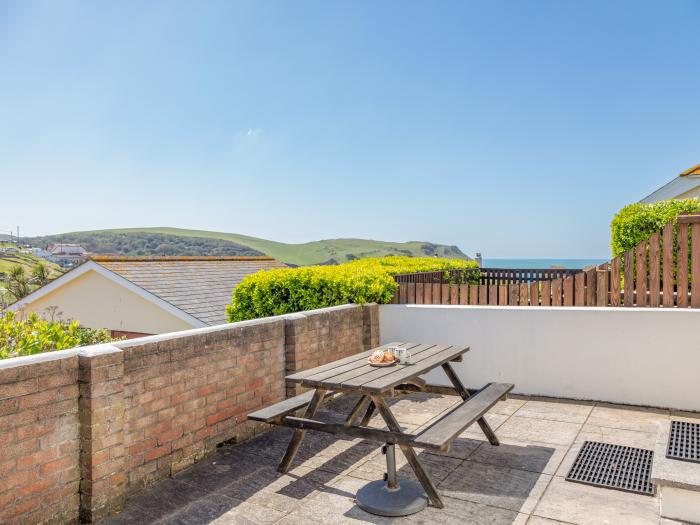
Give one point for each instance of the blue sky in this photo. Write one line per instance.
(512, 128)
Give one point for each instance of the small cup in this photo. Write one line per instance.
(402, 354)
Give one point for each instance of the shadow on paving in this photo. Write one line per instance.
(240, 484)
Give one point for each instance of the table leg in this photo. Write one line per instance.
(410, 454)
(357, 410)
(368, 414)
(299, 434)
(462, 391)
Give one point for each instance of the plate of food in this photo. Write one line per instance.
(381, 358)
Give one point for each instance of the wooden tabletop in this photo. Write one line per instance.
(354, 373)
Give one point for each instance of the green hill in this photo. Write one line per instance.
(317, 252)
(29, 261)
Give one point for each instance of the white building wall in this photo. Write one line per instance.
(645, 356)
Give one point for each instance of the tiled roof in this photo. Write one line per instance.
(199, 286)
(695, 170)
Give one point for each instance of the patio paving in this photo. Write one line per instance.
(519, 482)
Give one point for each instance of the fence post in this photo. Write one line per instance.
(641, 277)
(601, 287)
(591, 286)
(615, 282)
(654, 271)
(668, 266)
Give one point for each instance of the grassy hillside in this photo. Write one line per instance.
(317, 252)
(27, 260)
(147, 243)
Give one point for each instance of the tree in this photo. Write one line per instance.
(40, 274)
(16, 282)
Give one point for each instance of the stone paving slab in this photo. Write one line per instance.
(521, 481)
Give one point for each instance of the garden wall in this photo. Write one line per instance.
(82, 429)
(638, 356)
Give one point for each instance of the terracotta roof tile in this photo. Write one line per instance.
(695, 170)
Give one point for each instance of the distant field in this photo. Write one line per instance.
(317, 252)
(26, 260)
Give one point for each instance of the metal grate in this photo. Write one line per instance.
(614, 467)
(684, 441)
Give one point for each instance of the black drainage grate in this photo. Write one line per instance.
(613, 467)
(684, 441)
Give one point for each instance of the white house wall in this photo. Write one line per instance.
(99, 302)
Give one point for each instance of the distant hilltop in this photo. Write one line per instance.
(176, 241)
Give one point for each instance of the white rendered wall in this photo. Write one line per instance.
(645, 356)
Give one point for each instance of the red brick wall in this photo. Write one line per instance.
(82, 429)
(39, 431)
(317, 337)
(184, 395)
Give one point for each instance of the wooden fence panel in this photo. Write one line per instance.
(556, 292)
(629, 278)
(524, 294)
(615, 282)
(591, 287)
(602, 287)
(534, 293)
(568, 291)
(654, 271)
(695, 266)
(641, 274)
(546, 293)
(420, 293)
(580, 289)
(682, 267)
(463, 294)
(411, 293)
(444, 294)
(502, 294)
(493, 294)
(668, 264)
(454, 294)
(483, 295)
(395, 298)
(428, 293)
(473, 294)
(403, 288)
(437, 295)
(513, 294)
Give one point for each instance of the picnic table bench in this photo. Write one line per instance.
(354, 375)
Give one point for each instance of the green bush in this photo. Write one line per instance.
(33, 335)
(637, 222)
(287, 290)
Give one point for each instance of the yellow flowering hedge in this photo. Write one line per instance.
(287, 290)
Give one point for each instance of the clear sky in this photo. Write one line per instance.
(512, 128)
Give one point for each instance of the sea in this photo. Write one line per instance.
(540, 263)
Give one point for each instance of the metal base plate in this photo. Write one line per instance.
(376, 498)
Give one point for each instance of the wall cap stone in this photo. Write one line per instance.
(95, 350)
(45, 357)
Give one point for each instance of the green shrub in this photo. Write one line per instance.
(33, 335)
(637, 222)
(287, 290)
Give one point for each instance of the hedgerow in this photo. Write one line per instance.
(287, 290)
(637, 222)
(32, 334)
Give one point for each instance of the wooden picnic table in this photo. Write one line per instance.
(354, 375)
